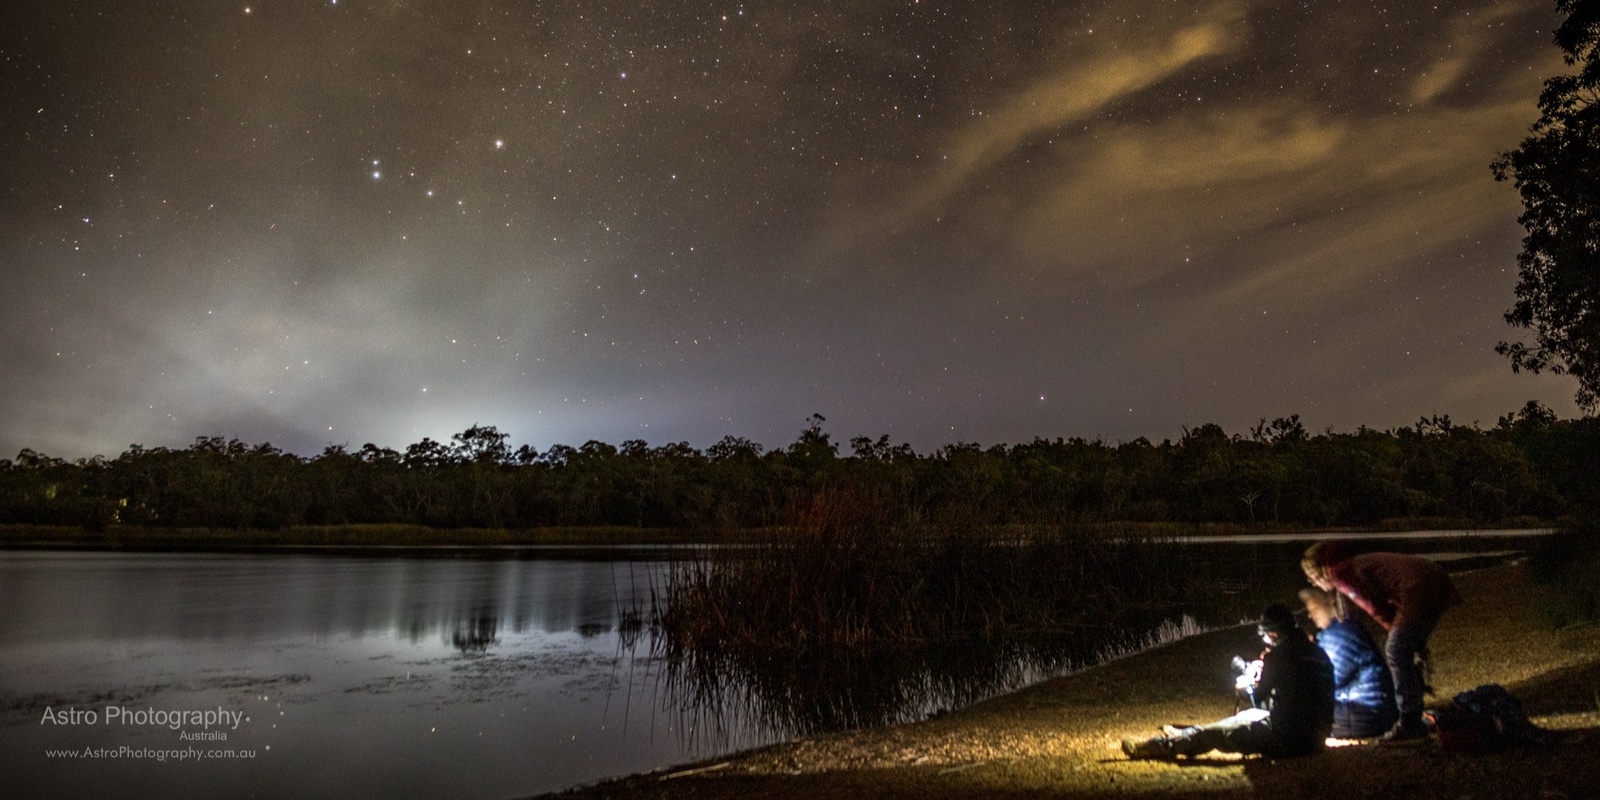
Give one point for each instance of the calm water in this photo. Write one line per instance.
(360, 677)
(433, 677)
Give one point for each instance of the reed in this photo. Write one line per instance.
(847, 577)
(722, 696)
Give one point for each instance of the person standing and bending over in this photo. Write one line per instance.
(1363, 690)
(1407, 595)
(1296, 687)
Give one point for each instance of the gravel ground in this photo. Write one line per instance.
(1060, 738)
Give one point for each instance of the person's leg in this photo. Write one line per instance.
(1345, 722)
(1408, 641)
(1239, 733)
(1243, 718)
(1354, 721)
(1245, 732)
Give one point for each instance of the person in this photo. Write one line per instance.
(1407, 595)
(1296, 688)
(1363, 689)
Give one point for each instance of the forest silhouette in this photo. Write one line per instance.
(1529, 466)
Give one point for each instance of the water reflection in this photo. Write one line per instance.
(77, 596)
(483, 629)
(367, 677)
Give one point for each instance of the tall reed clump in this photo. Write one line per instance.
(848, 576)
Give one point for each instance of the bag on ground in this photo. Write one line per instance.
(1484, 720)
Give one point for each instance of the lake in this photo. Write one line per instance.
(484, 674)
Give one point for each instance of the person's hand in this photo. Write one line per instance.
(1248, 679)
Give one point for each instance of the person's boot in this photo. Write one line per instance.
(1410, 726)
(1159, 747)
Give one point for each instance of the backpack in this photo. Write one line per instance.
(1484, 720)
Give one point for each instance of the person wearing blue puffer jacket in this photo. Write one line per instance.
(1363, 690)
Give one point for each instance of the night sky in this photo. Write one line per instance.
(313, 222)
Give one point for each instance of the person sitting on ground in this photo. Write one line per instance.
(1296, 688)
(1407, 595)
(1363, 691)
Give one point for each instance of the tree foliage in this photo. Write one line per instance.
(1529, 465)
(1557, 172)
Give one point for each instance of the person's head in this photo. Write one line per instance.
(1318, 557)
(1276, 622)
(1321, 606)
(1317, 576)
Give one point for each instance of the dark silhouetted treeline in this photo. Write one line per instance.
(1530, 465)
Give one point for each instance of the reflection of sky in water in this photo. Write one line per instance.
(367, 677)
(119, 597)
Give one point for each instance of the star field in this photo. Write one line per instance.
(315, 222)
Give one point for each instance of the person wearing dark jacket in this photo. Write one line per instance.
(1295, 688)
(1363, 691)
(1407, 595)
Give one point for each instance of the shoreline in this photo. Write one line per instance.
(1060, 738)
(386, 538)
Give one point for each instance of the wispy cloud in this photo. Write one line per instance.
(1467, 39)
(1078, 91)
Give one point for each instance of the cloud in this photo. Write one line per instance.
(1135, 198)
(1077, 92)
(1275, 201)
(1410, 187)
(1468, 39)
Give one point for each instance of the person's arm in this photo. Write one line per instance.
(1343, 649)
(1271, 668)
(1364, 592)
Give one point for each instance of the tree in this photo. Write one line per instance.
(482, 444)
(1557, 172)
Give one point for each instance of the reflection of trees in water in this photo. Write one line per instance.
(476, 633)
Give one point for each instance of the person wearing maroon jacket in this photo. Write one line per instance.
(1407, 595)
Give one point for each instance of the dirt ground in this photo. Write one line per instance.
(1060, 738)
